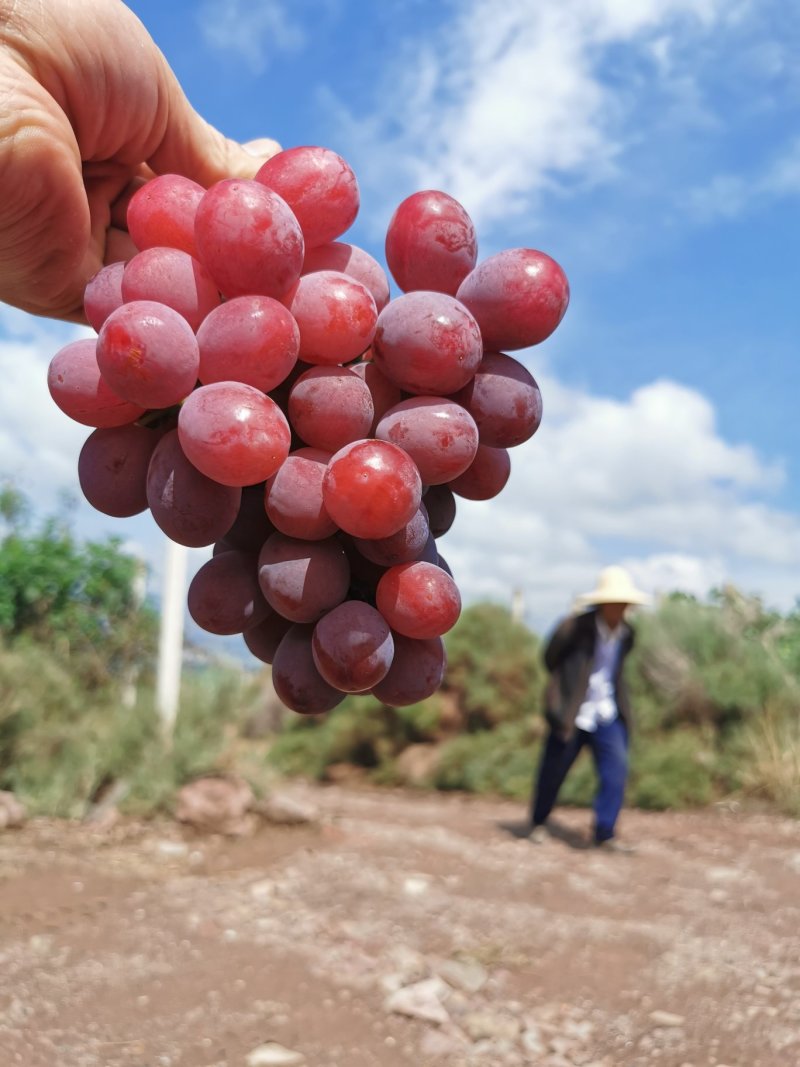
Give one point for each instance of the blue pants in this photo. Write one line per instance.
(609, 745)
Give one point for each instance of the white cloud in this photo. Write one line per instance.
(255, 31)
(648, 482)
(727, 196)
(509, 100)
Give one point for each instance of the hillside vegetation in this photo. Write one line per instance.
(716, 689)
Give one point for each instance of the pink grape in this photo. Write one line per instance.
(248, 239)
(303, 579)
(296, 680)
(385, 394)
(406, 545)
(250, 339)
(504, 400)
(294, 496)
(252, 526)
(81, 392)
(486, 476)
(329, 407)
(351, 260)
(172, 277)
(148, 354)
(263, 639)
(336, 316)
(190, 508)
(224, 596)
(318, 186)
(352, 647)
(441, 507)
(431, 243)
(439, 435)
(233, 433)
(416, 672)
(427, 343)
(418, 600)
(103, 294)
(162, 213)
(112, 469)
(371, 489)
(518, 297)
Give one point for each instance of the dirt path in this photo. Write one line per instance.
(150, 947)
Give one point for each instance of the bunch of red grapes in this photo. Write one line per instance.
(253, 385)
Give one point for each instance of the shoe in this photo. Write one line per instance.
(611, 844)
(538, 835)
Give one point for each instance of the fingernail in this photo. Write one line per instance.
(263, 147)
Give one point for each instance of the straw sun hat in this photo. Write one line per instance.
(614, 586)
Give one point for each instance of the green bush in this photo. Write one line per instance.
(498, 761)
(674, 771)
(59, 745)
(493, 667)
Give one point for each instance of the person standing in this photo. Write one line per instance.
(587, 704)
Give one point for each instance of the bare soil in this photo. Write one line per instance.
(146, 945)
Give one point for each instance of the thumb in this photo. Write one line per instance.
(193, 147)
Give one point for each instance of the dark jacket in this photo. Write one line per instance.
(569, 656)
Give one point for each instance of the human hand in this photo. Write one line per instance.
(89, 109)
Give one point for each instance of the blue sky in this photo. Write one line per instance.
(652, 147)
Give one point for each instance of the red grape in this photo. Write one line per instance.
(252, 526)
(504, 400)
(248, 239)
(336, 316)
(364, 574)
(418, 599)
(486, 476)
(80, 391)
(250, 339)
(318, 186)
(385, 394)
(329, 407)
(415, 674)
(190, 508)
(431, 243)
(233, 433)
(103, 294)
(407, 544)
(112, 469)
(427, 343)
(297, 682)
(263, 639)
(439, 435)
(518, 297)
(303, 579)
(172, 277)
(294, 496)
(352, 260)
(224, 595)
(162, 212)
(352, 647)
(371, 489)
(148, 354)
(441, 507)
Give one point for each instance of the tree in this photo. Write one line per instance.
(80, 599)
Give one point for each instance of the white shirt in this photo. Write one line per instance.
(599, 704)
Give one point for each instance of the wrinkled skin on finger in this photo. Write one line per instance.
(89, 109)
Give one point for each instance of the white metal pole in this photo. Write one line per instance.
(170, 643)
(517, 605)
